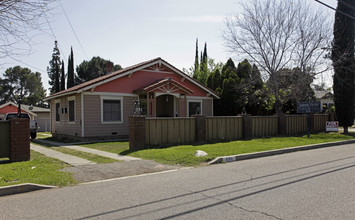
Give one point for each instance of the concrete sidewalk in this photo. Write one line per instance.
(90, 150)
(72, 160)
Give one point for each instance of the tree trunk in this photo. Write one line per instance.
(346, 130)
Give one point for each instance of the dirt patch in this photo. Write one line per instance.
(87, 173)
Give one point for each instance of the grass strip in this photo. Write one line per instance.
(40, 170)
(184, 154)
(88, 156)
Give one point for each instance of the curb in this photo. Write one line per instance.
(239, 157)
(22, 188)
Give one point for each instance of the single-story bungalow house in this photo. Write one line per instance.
(99, 109)
(40, 115)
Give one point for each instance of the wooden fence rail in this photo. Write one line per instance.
(170, 131)
(175, 131)
(223, 128)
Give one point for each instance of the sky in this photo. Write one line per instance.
(130, 32)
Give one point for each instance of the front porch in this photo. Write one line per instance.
(167, 98)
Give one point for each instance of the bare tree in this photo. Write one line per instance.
(20, 21)
(279, 34)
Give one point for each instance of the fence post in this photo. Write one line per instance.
(200, 129)
(246, 126)
(331, 117)
(136, 132)
(311, 122)
(281, 119)
(19, 139)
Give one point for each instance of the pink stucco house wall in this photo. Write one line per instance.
(100, 108)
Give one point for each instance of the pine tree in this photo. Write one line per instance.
(62, 80)
(70, 80)
(343, 62)
(53, 70)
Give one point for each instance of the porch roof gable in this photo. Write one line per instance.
(167, 85)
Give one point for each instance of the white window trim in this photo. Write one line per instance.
(71, 98)
(102, 109)
(194, 100)
(55, 112)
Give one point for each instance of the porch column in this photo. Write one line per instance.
(183, 106)
(154, 107)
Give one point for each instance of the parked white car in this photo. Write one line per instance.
(33, 123)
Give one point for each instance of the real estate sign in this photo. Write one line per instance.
(332, 126)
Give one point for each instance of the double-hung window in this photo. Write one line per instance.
(111, 110)
(71, 109)
(194, 108)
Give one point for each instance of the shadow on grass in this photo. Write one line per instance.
(5, 160)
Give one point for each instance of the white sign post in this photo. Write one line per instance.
(332, 126)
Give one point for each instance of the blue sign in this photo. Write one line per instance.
(309, 107)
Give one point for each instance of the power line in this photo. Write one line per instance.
(53, 35)
(343, 13)
(71, 26)
(17, 60)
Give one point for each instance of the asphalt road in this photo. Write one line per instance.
(315, 184)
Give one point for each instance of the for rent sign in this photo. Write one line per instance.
(332, 126)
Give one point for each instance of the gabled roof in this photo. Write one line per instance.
(23, 107)
(167, 81)
(124, 72)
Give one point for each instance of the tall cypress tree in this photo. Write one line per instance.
(343, 62)
(53, 70)
(62, 80)
(197, 65)
(70, 80)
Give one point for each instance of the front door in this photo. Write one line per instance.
(165, 106)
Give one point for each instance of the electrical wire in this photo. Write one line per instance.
(343, 13)
(17, 60)
(71, 26)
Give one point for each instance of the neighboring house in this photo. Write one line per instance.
(325, 97)
(40, 115)
(100, 108)
(12, 107)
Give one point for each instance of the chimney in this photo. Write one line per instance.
(109, 67)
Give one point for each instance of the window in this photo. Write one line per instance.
(194, 108)
(111, 110)
(71, 111)
(57, 109)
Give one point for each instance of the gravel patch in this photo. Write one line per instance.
(94, 172)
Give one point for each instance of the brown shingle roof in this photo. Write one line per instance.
(99, 79)
(87, 85)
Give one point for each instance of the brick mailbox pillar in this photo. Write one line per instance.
(19, 139)
(136, 132)
(200, 129)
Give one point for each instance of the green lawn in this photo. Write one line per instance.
(184, 154)
(40, 169)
